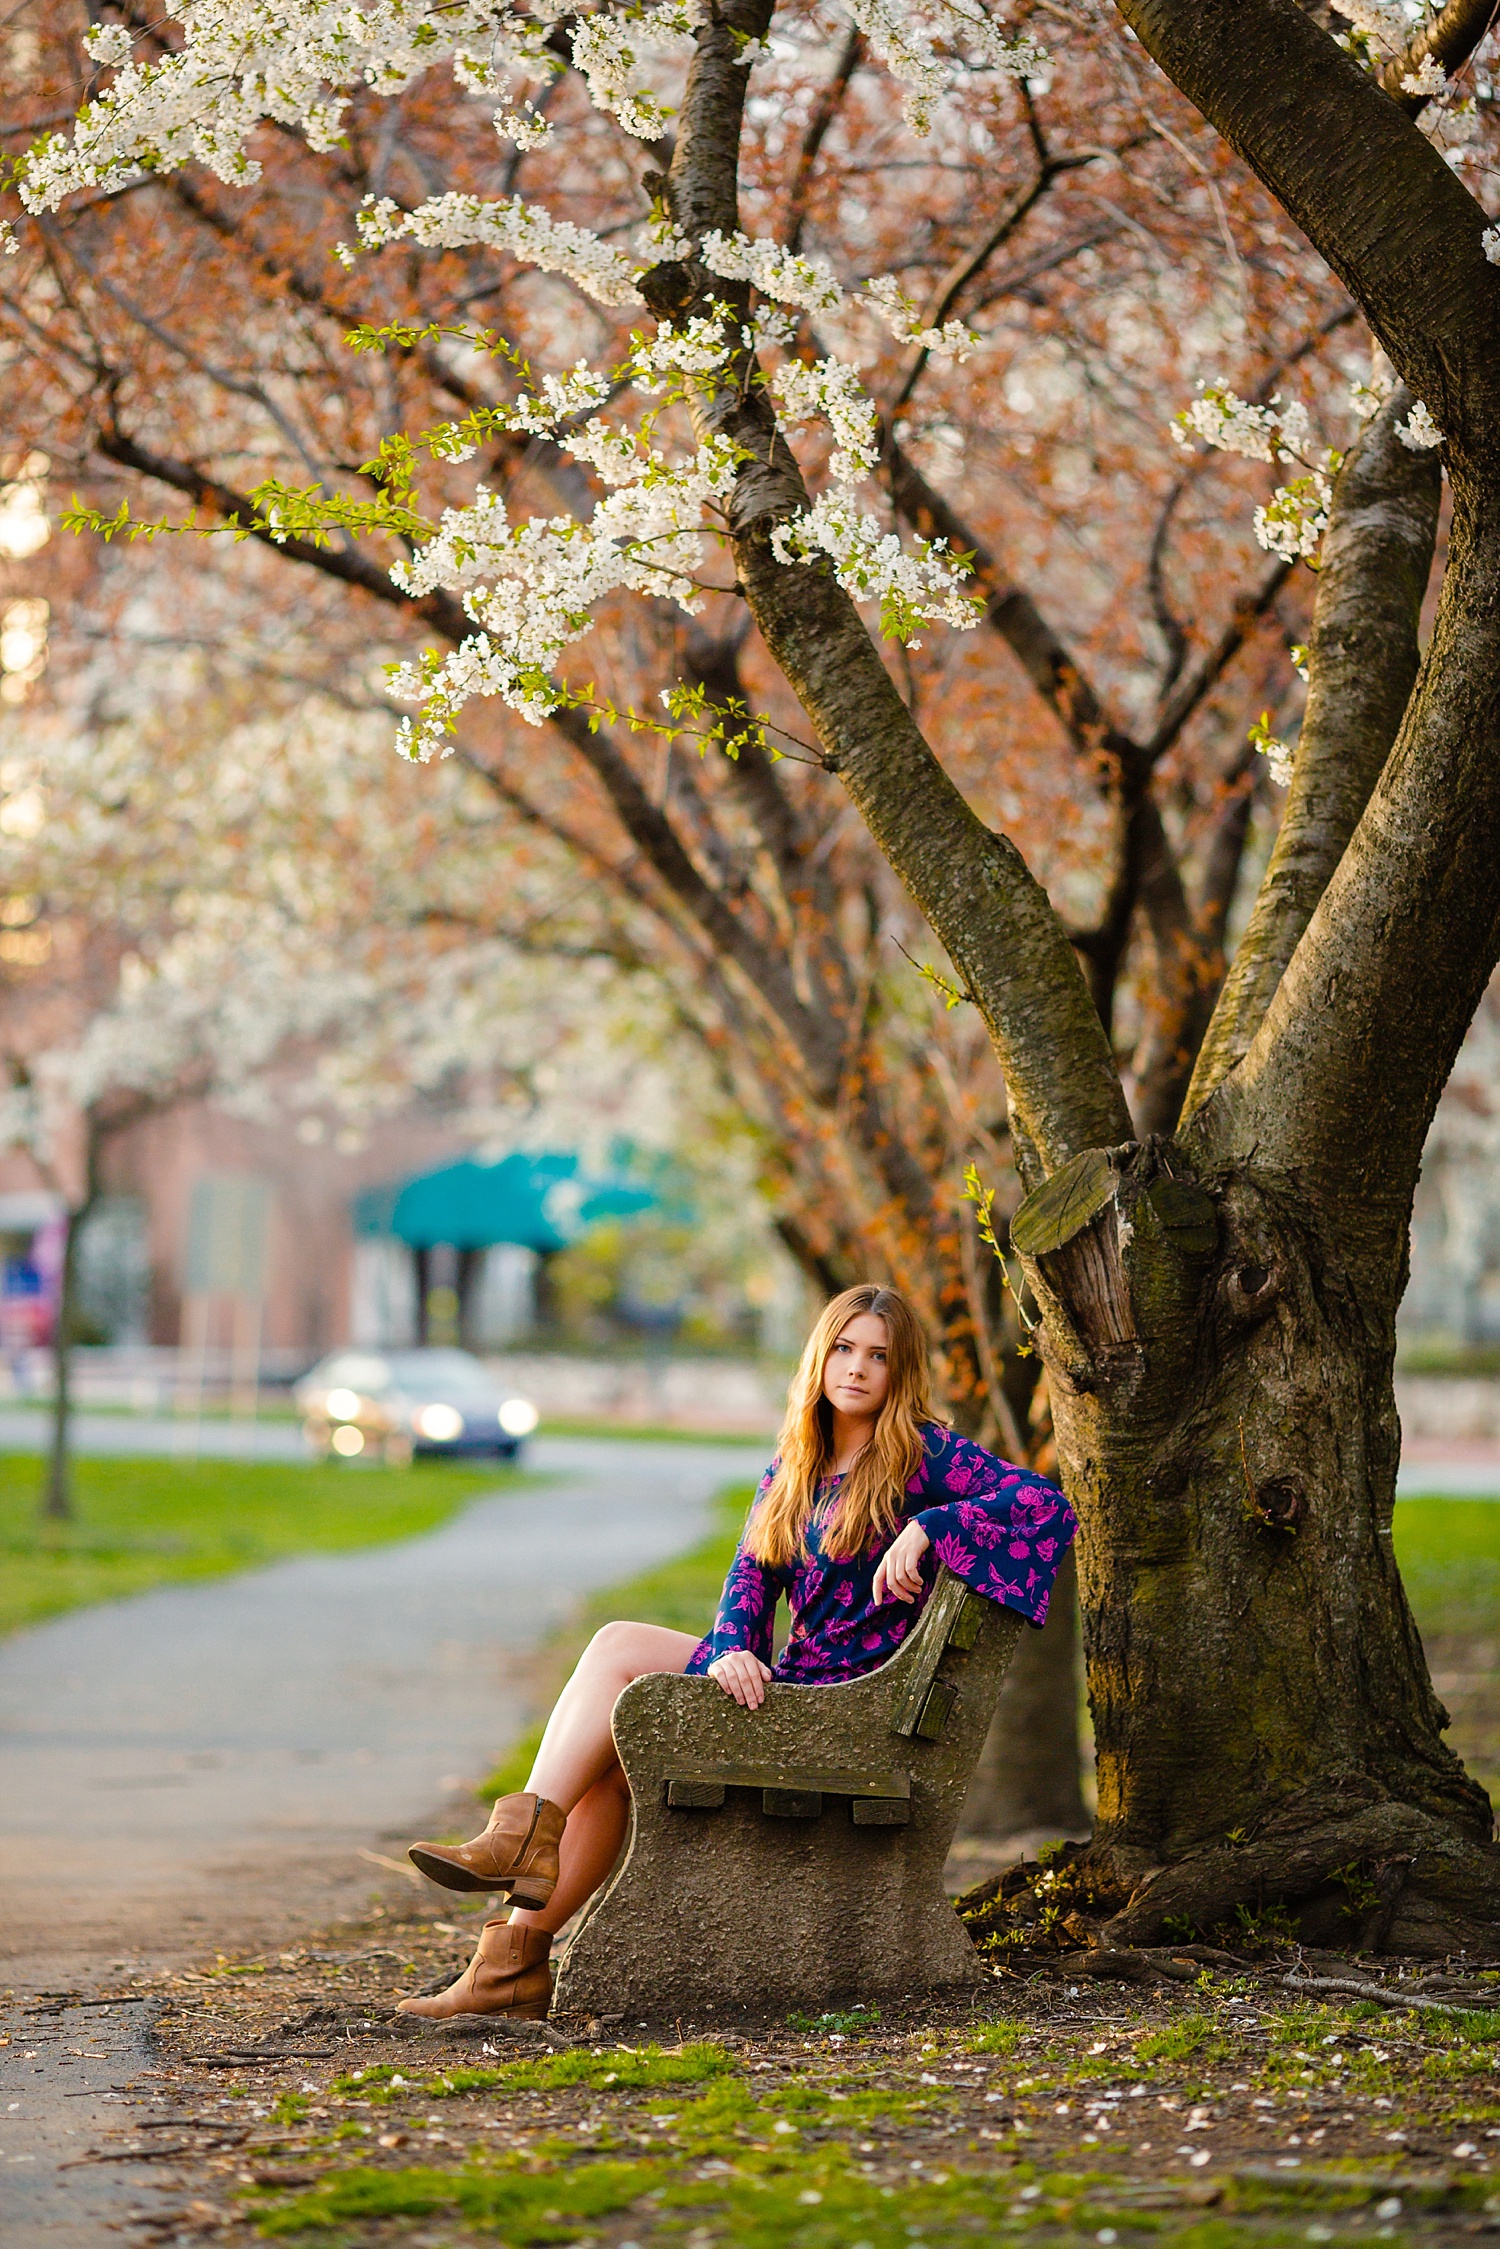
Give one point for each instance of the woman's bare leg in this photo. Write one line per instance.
(576, 1765)
(578, 1748)
(590, 1845)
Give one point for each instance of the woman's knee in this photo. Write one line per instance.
(614, 1647)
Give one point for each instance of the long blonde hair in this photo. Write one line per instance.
(869, 1499)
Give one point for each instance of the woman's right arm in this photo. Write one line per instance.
(743, 1632)
(740, 1644)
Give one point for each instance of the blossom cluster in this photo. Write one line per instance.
(609, 51)
(533, 588)
(243, 61)
(1384, 20)
(1280, 756)
(1429, 78)
(811, 285)
(1419, 433)
(870, 563)
(903, 34)
(528, 232)
(1293, 521)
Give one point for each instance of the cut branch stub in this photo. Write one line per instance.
(1111, 1241)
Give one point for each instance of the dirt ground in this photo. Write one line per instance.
(1219, 2101)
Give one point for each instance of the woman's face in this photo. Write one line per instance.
(856, 1376)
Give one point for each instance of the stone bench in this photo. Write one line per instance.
(792, 1856)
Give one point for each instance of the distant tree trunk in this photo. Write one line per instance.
(1029, 1774)
(57, 1495)
(422, 1260)
(469, 1280)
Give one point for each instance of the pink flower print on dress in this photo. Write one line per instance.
(1032, 1506)
(980, 1525)
(1046, 1547)
(953, 1554)
(748, 1592)
(1018, 1550)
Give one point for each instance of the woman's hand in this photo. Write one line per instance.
(899, 1574)
(742, 1675)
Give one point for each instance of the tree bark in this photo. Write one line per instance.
(1221, 1386)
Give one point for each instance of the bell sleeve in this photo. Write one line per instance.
(1003, 1530)
(746, 1614)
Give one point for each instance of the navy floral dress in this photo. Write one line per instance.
(1003, 1530)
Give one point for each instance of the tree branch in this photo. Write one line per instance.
(1010, 611)
(802, 876)
(1377, 556)
(1204, 677)
(440, 610)
(830, 101)
(973, 886)
(954, 282)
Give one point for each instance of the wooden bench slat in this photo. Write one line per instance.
(948, 1611)
(826, 1782)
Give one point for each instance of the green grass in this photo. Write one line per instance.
(625, 2066)
(681, 1594)
(143, 1523)
(1449, 1551)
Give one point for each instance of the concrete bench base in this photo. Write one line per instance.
(792, 1857)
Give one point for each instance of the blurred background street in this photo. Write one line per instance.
(215, 1753)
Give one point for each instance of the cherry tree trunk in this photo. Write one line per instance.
(1221, 1371)
(1029, 1774)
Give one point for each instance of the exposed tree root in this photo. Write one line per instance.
(1384, 1995)
(1386, 1877)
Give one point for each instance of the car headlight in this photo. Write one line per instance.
(347, 1442)
(518, 1417)
(342, 1405)
(441, 1423)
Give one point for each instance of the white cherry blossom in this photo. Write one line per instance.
(534, 588)
(1419, 433)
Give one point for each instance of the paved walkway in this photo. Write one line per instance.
(215, 1758)
(26, 1429)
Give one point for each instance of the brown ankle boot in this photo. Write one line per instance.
(516, 1852)
(508, 1975)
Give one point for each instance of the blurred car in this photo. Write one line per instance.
(391, 1405)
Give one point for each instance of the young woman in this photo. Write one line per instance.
(867, 1495)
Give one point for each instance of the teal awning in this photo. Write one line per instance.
(542, 1202)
